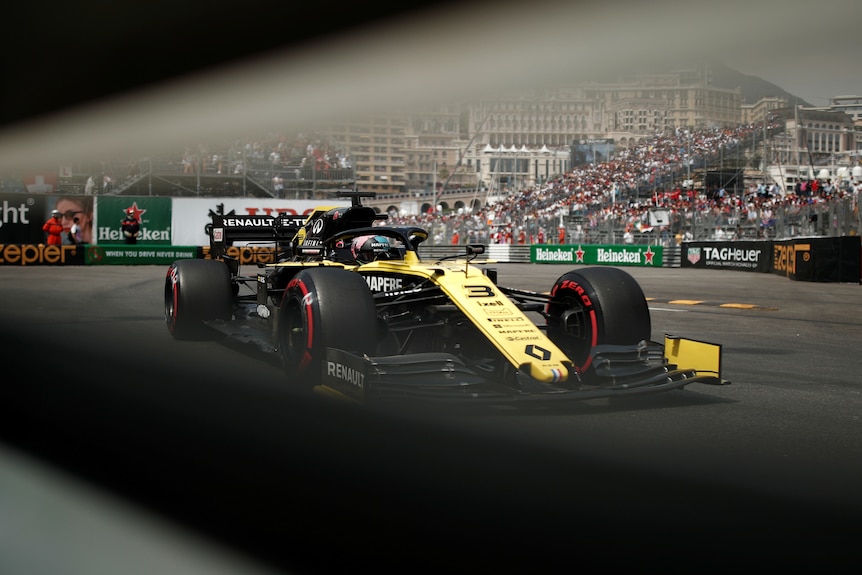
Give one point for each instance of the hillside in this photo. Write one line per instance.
(753, 87)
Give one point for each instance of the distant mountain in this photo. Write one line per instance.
(753, 87)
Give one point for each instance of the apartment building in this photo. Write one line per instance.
(850, 105)
(377, 148)
(760, 111)
(522, 139)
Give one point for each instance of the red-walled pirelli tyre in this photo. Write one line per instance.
(196, 291)
(324, 307)
(596, 306)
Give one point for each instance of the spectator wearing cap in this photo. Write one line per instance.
(130, 227)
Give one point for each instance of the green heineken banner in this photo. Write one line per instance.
(139, 255)
(153, 215)
(611, 255)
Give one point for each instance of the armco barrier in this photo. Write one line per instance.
(517, 253)
(503, 253)
(824, 259)
(820, 259)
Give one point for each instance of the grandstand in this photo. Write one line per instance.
(711, 183)
(167, 177)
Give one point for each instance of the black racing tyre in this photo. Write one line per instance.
(324, 307)
(196, 291)
(596, 306)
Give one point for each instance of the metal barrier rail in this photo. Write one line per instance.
(521, 254)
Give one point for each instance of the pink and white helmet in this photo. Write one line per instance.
(368, 248)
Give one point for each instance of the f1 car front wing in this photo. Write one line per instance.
(616, 371)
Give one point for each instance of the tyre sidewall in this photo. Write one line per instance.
(613, 305)
(324, 308)
(196, 291)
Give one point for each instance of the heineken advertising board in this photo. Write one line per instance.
(153, 213)
(611, 255)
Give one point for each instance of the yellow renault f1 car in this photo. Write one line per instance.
(352, 309)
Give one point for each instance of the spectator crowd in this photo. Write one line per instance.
(613, 201)
(607, 201)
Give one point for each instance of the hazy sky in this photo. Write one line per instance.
(831, 67)
(809, 48)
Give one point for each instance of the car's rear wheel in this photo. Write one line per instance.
(196, 291)
(596, 306)
(322, 308)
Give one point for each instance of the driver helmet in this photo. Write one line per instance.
(366, 249)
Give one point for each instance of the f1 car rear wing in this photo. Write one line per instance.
(286, 231)
(227, 229)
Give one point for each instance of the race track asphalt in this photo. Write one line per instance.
(217, 464)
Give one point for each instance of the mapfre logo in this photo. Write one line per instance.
(384, 283)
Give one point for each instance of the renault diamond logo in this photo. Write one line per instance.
(538, 352)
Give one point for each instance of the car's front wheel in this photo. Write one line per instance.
(596, 306)
(322, 308)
